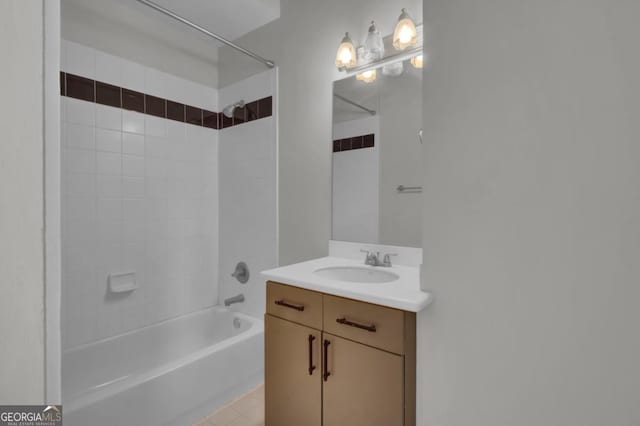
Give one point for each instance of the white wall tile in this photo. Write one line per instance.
(79, 112)
(132, 165)
(133, 122)
(132, 76)
(156, 167)
(79, 207)
(155, 82)
(109, 186)
(118, 168)
(108, 163)
(109, 232)
(79, 160)
(108, 140)
(63, 55)
(156, 147)
(109, 209)
(81, 60)
(133, 144)
(155, 126)
(108, 117)
(79, 136)
(133, 210)
(176, 132)
(79, 184)
(156, 187)
(79, 230)
(108, 68)
(132, 187)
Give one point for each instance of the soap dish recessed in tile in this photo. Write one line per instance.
(122, 283)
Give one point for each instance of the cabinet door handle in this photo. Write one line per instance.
(311, 366)
(326, 373)
(281, 302)
(344, 321)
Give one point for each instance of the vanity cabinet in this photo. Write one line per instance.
(334, 361)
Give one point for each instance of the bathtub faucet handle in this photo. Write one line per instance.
(241, 273)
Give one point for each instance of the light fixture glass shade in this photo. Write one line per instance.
(393, 69)
(346, 56)
(405, 34)
(418, 61)
(373, 45)
(368, 76)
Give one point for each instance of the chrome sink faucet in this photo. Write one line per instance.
(373, 259)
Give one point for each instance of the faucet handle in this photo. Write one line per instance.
(387, 259)
(371, 258)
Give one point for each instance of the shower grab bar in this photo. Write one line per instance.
(409, 189)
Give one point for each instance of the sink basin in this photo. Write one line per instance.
(357, 274)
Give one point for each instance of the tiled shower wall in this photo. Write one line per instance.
(248, 195)
(140, 194)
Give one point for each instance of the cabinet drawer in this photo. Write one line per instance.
(362, 322)
(295, 304)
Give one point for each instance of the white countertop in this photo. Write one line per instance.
(403, 293)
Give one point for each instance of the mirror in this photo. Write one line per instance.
(377, 157)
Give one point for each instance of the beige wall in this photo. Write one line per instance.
(303, 44)
(531, 214)
(21, 215)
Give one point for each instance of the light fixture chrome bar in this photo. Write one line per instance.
(401, 56)
(221, 39)
(355, 104)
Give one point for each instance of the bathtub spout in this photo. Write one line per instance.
(235, 299)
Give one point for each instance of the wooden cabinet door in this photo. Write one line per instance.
(364, 386)
(293, 386)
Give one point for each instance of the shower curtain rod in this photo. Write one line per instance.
(350, 102)
(221, 39)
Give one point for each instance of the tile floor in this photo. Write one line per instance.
(248, 410)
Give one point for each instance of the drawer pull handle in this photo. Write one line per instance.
(289, 305)
(311, 366)
(371, 328)
(326, 373)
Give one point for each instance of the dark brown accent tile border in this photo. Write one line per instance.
(78, 87)
(175, 111)
(210, 119)
(155, 106)
(132, 100)
(63, 84)
(193, 115)
(356, 142)
(225, 121)
(109, 95)
(81, 88)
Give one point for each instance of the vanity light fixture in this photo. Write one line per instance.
(346, 56)
(405, 34)
(418, 61)
(373, 45)
(393, 69)
(368, 76)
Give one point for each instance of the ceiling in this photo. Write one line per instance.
(229, 18)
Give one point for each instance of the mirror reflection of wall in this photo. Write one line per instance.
(376, 148)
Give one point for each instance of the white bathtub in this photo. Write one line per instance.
(172, 373)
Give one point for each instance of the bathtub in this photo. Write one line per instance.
(171, 373)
